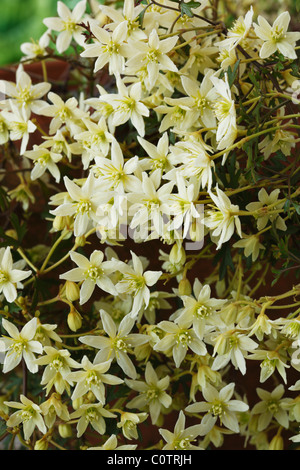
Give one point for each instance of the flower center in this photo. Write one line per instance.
(152, 394)
(27, 414)
(183, 444)
(273, 406)
(183, 338)
(4, 277)
(277, 34)
(222, 109)
(93, 273)
(92, 379)
(202, 311)
(217, 409)
(83, 207)
(57, 363)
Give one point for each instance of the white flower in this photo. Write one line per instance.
(147, 203)
(193, 162)
(23, 93)
(117, 344)
(219, 405)
(114, 173)
(67, 24)
(271, 405)
(34, 49)
(92, 378)
(58, 364)
(19, 125)
(128, 423)
(44, 159)
(93, 414)
(223, 219)
(63, 113)
(264, 214)
(152, 393)
(29, 414)
(20, 344)
(200, 309)
(96, 140)
(136, 281)
(83, 203)
(182, 206)
(91, 272)
(127, 105)
(225, 112)
(233, 347)
(108, 48)
(129, 15)
(276, 37)
(157, 155)
(151, 56)
(238, 32)
(251, 245)
(181, 439)
(10, 276)
(203, 95)
(178, 339)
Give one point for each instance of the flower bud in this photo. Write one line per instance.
(184, 287)
(65, 430)
(59, 223)
(12, 234)
(76, 404)
(41, 444)
(177, 254)
(74, 320)
(72, 291)
(80, 241)
(276, 443)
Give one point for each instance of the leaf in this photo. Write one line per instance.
(232, 73)
(185, 8)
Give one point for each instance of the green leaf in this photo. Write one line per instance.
(185, 8)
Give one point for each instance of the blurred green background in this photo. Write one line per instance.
(21, 21)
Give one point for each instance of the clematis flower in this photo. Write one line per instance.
(276, 37)
(152, 393)
(20, 345)
(115, 173)
(82, 205)
(178, 339)
(19, 125)
(29, 414)
(92, 378)
(10, 277)
(222, 220)
(225, 112)
(93, 414)
(67, 24)
(108, 48)
(91, 272)
(151, 55)
(117, 344)
(200, 309)
(264, 214)
(127, 106)
(219, 404)
(136, 282)
(44, 159)
(182, 438)
(23, 93)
